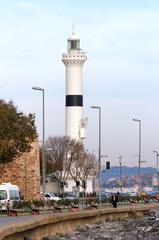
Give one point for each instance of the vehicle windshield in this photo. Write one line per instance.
(52, 194)
(14, 195)
(3, 194)
(71, 194)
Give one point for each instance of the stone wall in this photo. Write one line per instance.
(24, 172)
(63, 223)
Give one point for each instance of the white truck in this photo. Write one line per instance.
(9, 194)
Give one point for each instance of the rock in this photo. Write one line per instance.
(131, 229)
(129, 236)
(82, 228)
(148, 228)
(73, 238)
(90, 226)
(154, 236)
(151, 213)
(156, 213)
(103, 236)
(152, 218)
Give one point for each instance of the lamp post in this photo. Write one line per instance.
(139, 161)
(43, 141)
(157, 155)
(121, 180)
(157, 173)
(99, 147)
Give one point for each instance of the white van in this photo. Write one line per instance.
(9, 194)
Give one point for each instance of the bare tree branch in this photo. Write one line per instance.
(63, 153)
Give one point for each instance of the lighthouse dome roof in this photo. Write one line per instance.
(73, 37)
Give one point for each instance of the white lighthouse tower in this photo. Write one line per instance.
(74, 60)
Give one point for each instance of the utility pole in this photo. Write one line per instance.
(43, 141)
(121, 180)
(99, 145)
(139, 155)
(157, 172)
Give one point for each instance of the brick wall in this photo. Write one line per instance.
(24, 172)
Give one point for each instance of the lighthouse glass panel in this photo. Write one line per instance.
(74, 44)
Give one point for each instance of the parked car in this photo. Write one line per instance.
(133, 194)
(152, 193)
(124, 194)
(51, 196)
(104, 195)
(71, 196)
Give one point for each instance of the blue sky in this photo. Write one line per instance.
(121, 74)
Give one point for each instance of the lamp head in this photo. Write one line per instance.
(136, 120)
(155, 152)
(104, 156)
(97, 107)
(38, 88)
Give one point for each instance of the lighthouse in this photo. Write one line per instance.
(74, 60)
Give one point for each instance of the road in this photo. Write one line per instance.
(16, 219)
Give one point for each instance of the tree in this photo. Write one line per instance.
(17, 132)
(62, 151)
(83, 167)
(50, 165)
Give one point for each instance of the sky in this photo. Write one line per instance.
(120, 75)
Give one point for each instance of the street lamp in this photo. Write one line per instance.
(104, 156)
(139, 167)
(43, 141)
(157, 173)
(121, 180)
(99, 148)
(157, 155)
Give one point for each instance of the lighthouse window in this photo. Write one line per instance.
(73, 44)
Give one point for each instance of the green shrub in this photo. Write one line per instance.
(64, 202)
(50, 203)
(38, 203)
(23, 205)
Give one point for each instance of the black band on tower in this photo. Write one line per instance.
(74, 100)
